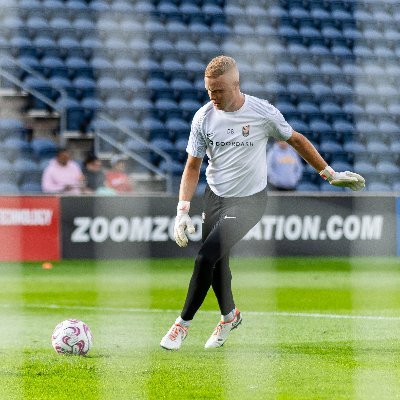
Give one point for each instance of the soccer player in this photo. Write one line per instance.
(233, 130)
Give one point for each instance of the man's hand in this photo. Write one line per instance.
(344, 179)
(183, 223)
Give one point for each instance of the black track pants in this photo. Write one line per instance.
(226, 221)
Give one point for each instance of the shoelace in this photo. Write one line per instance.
(218, 329)
(175, 332)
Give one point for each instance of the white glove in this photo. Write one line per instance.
(183, 223)
(344, 179)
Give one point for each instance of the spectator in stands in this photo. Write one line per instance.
(117, 178)
(93, 172)
(62, 175)
(284, 167)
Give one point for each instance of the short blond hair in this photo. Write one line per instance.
(219, 66)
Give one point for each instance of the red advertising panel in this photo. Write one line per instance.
(29, 228)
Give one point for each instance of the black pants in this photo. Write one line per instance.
(226, 221)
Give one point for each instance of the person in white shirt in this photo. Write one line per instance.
(284, 167)
(233, 130)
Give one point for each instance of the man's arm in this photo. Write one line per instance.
(307, 151)
(190, 178)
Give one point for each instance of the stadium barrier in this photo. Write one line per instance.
(53, 228)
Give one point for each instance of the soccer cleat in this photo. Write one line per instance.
(174, 337)
(221, 332)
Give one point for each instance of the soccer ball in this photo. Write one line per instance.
(72, 337)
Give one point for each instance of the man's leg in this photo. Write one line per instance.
(221, 284)
(226, 233)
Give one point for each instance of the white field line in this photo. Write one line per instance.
(159, 311)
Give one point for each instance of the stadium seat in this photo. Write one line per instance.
(189, 107)
(11, 127)
(78, 67)
(91, 105)
(366, 128)
(20, 46)
(374, 108)
(298, 125)
(153, 128)
(117, 107)
(29, 7)
(141, 106)
(124, 67)
(378, 187)
(8, 188)
(340, 165)
(41, 86)
(297, 51)
(387, 167)
(354, 147)
(70, 47)
(76, 8)
(91, 45)
(60, 24)
(84, 26)
(37, 24)
(121, 7)
(389, 129)
(130, 85)
(320, 126)
(30, 188)
(75, 114)
(27, 170)
(178, 128)
(144, 8)
(85, 86)
(46, 47)
(321, 90)
(107, 86)
(309, 109)
(375, 146)
(175, 167)
(288, 109)
(364, 167)
(173, 68)
(167, 107)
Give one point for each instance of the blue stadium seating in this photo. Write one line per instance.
(320, 62)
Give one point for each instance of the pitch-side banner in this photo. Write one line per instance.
(129, 227)
(29, 228)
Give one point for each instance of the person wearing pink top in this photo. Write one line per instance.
(62, 175)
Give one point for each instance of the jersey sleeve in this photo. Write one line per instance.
(278, 127)
(197, 144)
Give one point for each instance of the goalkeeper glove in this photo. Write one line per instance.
(344, 179)
(183, 223)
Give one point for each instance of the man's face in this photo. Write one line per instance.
(95, 165)
(63, 157)
(223, 91)
(282, 144)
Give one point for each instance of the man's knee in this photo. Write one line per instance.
(204, 260)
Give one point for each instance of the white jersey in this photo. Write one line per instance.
(235, 143)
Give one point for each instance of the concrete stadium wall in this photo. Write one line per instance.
(51, 228)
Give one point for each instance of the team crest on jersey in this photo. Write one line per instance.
(246, 130)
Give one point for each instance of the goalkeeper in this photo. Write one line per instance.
(233, 130)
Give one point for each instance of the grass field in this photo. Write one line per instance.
(312, 329)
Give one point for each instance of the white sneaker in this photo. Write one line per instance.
(221, 332)
(174, 337)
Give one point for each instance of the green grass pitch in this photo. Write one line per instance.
(313, 328)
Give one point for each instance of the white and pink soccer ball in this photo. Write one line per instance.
(72, 337)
